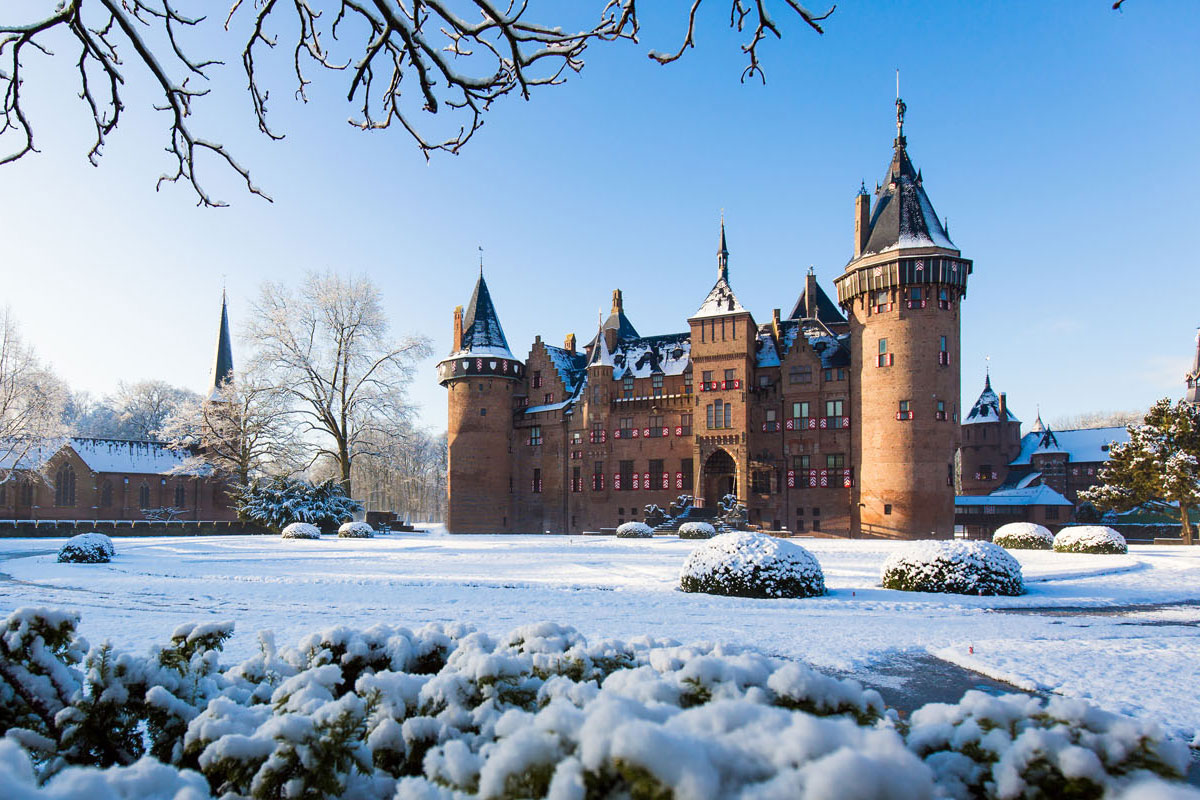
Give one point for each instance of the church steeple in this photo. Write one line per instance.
(223, 364)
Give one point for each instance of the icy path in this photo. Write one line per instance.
(1130, 662)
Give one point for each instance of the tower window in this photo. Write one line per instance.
(719, 415)
(887, 508)
(884, 359)
(537, 481)
(941, 409)
(905, 411)
(483, 412)
(548, 399)
(687, 382)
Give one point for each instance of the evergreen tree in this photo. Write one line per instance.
(1161, 461)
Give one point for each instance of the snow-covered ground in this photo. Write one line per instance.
(1073, 632)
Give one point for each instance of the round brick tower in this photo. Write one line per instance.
(482, 376)
(901, 292)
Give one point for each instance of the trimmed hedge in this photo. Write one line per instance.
(1023, 536)
(635, 530)
(355, 530)
(1090, 539)
(301, 530)
(696, 530)
(955, 568)
(87, 548)
(743, 564)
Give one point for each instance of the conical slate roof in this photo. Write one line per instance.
(987, 407)
(482, 333)
(223, 364)
(903, 215)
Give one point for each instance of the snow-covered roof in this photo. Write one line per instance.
(482, 334)
(720, 301)
(569, 366)
(987, 407)
(903, 216)
(819, 306)
(116, 455)
(601, 357)
(549, 407)
(1040, 495)
(766, 355)
(668, 354)
(1086, 445)
(834, 351)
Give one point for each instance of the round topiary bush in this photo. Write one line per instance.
(1023, 536)
(955, 568)
(87, 548)
(1090, 539)
(301, 530)
(696, 530)
(355, 530)
(742, 564)
(635, 530)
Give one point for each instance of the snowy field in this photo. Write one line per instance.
(1120, 631)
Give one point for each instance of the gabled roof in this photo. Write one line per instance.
(1086, 445)
(903, 215)
(223, 365)
(987, 407)
(834, 351)
(119, 455)
(482, 334)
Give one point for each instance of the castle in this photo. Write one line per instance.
(840, 418)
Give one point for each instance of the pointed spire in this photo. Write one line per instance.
(723, 252)
(1193, 377)
(482, 333)
(600, 357)
(223, 364)
(1038, 425)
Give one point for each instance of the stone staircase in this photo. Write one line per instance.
(693, 514)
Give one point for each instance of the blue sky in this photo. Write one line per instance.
(1059, 139)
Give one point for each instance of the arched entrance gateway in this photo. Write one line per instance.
(719, 477)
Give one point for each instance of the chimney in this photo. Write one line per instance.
(618, 305)
(569, 343)
(862, 221)
(457, 336)
(810, 294)
(1003, 407)
(775, 323)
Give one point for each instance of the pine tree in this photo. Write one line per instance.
(1161, 461)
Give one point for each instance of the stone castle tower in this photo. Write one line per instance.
(481, 375)
(902, 292)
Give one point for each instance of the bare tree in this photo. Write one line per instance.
(31, 403)
(400, 60)
(1099, 419)
(243, 432)
(327, 348)
(142, 408)
(406, 475)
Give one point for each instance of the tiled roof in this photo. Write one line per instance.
(1087, 445)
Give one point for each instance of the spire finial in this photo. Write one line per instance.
(900, 109)
(481, 261)
(723, 252)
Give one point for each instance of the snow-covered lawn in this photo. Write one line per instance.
(619, 588)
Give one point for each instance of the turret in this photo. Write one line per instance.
(482, 377)
(222, 371)
(901, 292)
(1193, 377)
(991, 439)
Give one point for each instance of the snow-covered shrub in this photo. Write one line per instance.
(355, 530)
(87, 548)
(635, 530)
(954, 567)
(301, 530)
(743, 564)
(1023, 536)
(696, 530)
(1021, 746)
(1090, 539)
(282, 500)
(448, 712)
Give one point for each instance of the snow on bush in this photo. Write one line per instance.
(742, 564)
(450, 712)
(301, 530)
(281, 500)
(355, 530)
(696, 530)
(954, 567)
(1090, 539)
(1022, 746)
(1023, 536)
(87, 548)
(635, 530)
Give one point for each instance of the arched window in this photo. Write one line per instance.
(180, 495)
(64, 486)
(144, 496)
(106, 495)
